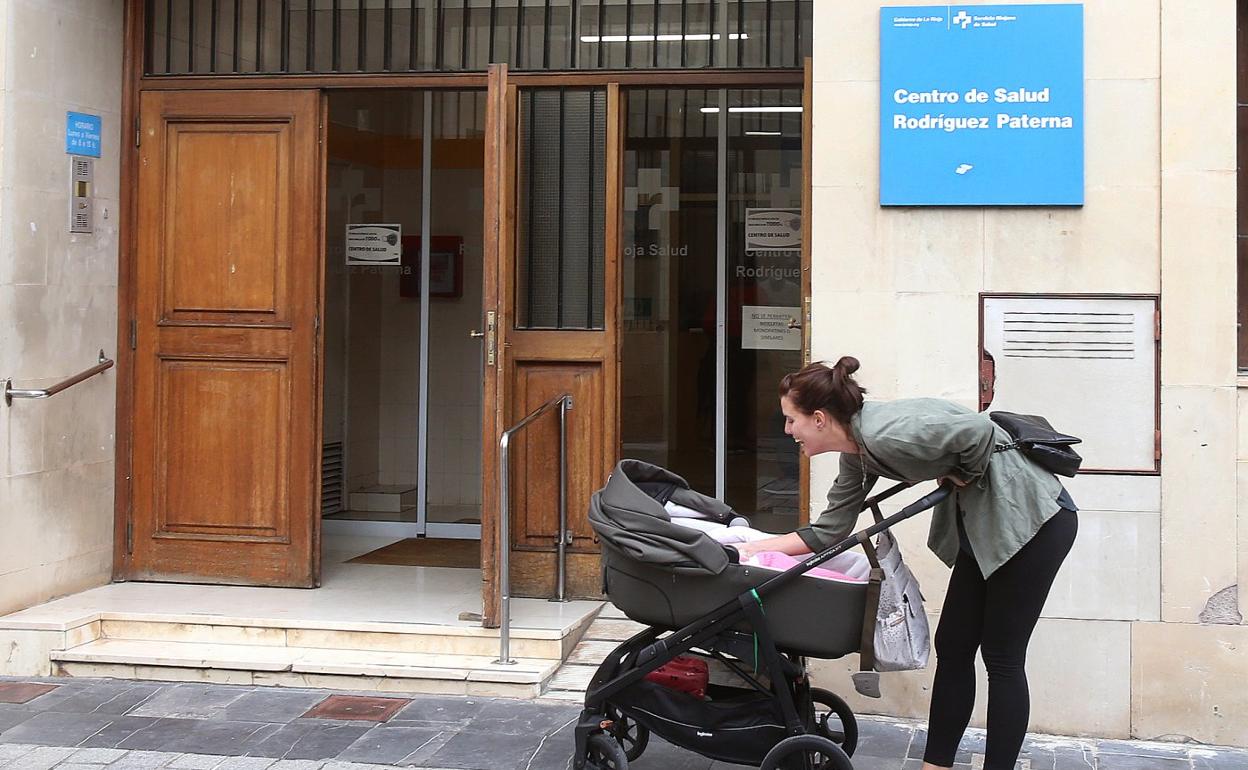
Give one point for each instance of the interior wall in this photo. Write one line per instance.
(455, 368)
(58, 298)
(372, 374)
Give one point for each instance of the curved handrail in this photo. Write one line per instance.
(11, 392)
(564, 402)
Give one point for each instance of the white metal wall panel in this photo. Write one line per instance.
(1087, 364)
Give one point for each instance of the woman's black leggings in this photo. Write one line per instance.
(995, 616)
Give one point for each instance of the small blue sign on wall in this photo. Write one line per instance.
(82, 134)
(981, 105)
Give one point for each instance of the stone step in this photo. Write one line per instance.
(370, 637)
(592, 652)
(613, 629)
(572, 678)
(604, 634)
(304, 667)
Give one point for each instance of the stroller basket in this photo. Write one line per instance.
(729, 727)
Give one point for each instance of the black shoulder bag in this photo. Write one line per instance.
(1035, 437)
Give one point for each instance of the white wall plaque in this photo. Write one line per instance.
(374, 244)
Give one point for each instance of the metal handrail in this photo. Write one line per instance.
(11, 392)
(564, 402)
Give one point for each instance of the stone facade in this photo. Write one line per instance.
(1141, 635)
(58, 298)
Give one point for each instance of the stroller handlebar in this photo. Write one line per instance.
(930, 500)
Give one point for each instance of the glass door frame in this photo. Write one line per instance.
(498, 238)
(421, 527)
(730, 106)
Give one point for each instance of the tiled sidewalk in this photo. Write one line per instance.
(81, 724)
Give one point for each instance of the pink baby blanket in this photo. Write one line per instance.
(782, 561)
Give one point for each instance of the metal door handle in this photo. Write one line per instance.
(475, 333)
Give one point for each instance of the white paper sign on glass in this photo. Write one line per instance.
(773, 229)
(374, 245)
(770, 328)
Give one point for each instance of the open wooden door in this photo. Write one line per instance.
(226, 418)
(552, 208)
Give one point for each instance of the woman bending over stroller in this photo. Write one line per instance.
(1005, 533)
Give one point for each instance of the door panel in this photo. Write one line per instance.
(226, 409)
(247, 500)
(566, 279)
(227, 235)
(535, 521)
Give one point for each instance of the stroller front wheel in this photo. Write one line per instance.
(806, 752)
(603, 752)
(834, 719)
(632, 736)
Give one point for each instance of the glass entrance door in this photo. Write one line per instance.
(402, 409)
(711, 271)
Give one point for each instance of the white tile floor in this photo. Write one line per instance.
(350, 595)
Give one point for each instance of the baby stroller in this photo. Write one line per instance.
(753, 626)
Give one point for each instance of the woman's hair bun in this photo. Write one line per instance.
(847, 364)
(831, 388)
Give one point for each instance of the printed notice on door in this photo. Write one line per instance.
(374, 245)
(773, 230)
(770, 328)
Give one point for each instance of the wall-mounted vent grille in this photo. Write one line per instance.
(331, 478)
(1068, 335)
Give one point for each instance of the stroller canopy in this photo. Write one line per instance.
(628, 515)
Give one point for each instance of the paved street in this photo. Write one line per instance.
(93, 724)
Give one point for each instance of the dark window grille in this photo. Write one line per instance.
(561, 209)
(276, 37)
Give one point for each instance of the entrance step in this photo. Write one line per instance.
(271, 664)
(603, 635)
(353, 637)
(391, 498)
(388, 657)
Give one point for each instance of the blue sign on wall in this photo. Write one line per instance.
(82, 134)
(981, 105)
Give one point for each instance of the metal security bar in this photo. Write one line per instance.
(274, 37)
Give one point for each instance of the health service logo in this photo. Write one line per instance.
(962, 19)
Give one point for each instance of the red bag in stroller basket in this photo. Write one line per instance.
(685, 673)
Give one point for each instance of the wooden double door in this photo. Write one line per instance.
(224, 325)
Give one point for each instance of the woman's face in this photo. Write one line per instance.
(808, 430)
(815, 433)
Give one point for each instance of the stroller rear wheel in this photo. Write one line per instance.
(834, 719)
(806, 752)
(633, 737)
(603, 752)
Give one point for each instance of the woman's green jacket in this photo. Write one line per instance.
(1007, 499)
